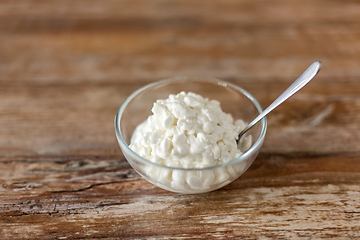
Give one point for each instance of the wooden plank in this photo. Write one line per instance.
(126, 56)
(70, 44)
(323, 191)
(229, 11)
(78, 119)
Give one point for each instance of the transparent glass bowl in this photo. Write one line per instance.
(234, 100)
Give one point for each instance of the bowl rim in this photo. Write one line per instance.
(243, 157)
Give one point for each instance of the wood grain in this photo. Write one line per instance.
(65, 68)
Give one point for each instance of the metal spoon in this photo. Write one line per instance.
(304, 78)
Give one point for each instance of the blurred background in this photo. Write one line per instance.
(66, 66)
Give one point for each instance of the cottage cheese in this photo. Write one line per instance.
(188, 131)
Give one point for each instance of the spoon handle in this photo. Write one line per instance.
(304, 78)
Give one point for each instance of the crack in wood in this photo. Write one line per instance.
(87, 188)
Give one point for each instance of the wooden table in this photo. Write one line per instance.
(66, 66)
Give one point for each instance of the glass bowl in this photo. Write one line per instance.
(233, 99)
